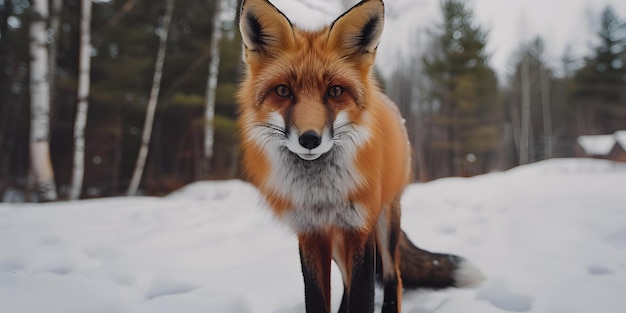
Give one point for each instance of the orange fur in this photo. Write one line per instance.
(286, 93)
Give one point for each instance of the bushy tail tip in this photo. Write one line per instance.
(467, 274)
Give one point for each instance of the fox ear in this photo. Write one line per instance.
(264, 29)
(359, 29)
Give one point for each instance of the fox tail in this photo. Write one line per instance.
(423, 269)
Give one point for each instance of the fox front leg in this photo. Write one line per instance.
(357, 263)
(315, 258)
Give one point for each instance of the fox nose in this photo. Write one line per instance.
(310, 140)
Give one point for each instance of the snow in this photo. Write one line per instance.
(597, 144)
(620, 137)
(550, 237)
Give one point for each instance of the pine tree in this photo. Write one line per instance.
(463, 87)
(123, 54)
(599, 89)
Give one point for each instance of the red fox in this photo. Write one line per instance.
(330, 155)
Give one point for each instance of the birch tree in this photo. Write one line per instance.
(224, 10)
(152, 102)
(531, 105)
(546, 105)
(80, 121)
(525, 102)
(214, 64)
(40, 103)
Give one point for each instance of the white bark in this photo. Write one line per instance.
(547, 115)
(525, 101)
(209, 113)
(515, 125)
(152, 102)
(40, 103)
(80, 120)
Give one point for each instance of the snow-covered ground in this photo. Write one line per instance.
(551, 237)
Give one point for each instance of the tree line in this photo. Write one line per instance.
(144, 100)
(462, 121)
(118, 97)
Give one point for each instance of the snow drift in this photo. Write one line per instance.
(551, 237)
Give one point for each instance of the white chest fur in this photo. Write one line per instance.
(319, 191)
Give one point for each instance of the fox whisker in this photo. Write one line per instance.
(276, 130)
(345, 132)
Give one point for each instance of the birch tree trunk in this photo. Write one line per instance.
(547, 115)
(84, 69)
(40, 103)
(515, 128)
(152, 102)
(214, 64)
(525, 101)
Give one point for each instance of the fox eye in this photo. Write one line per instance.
(334, 91)
(283, 91)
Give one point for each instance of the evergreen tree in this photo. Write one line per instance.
(14, 58)
(125, 39)
(463, 88)
(599, 88)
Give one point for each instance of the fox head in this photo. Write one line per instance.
(308, 91)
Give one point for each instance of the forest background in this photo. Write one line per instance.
(78, 104)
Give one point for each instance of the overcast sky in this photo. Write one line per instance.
(559, 22)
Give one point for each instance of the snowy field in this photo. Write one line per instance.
(550, 237)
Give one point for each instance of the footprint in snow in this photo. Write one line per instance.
(60, 270)
(447, 230)
(596, 270)
(618, 239)
(10, 266)
(293, 309)
(500, 296)
(162, 287)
